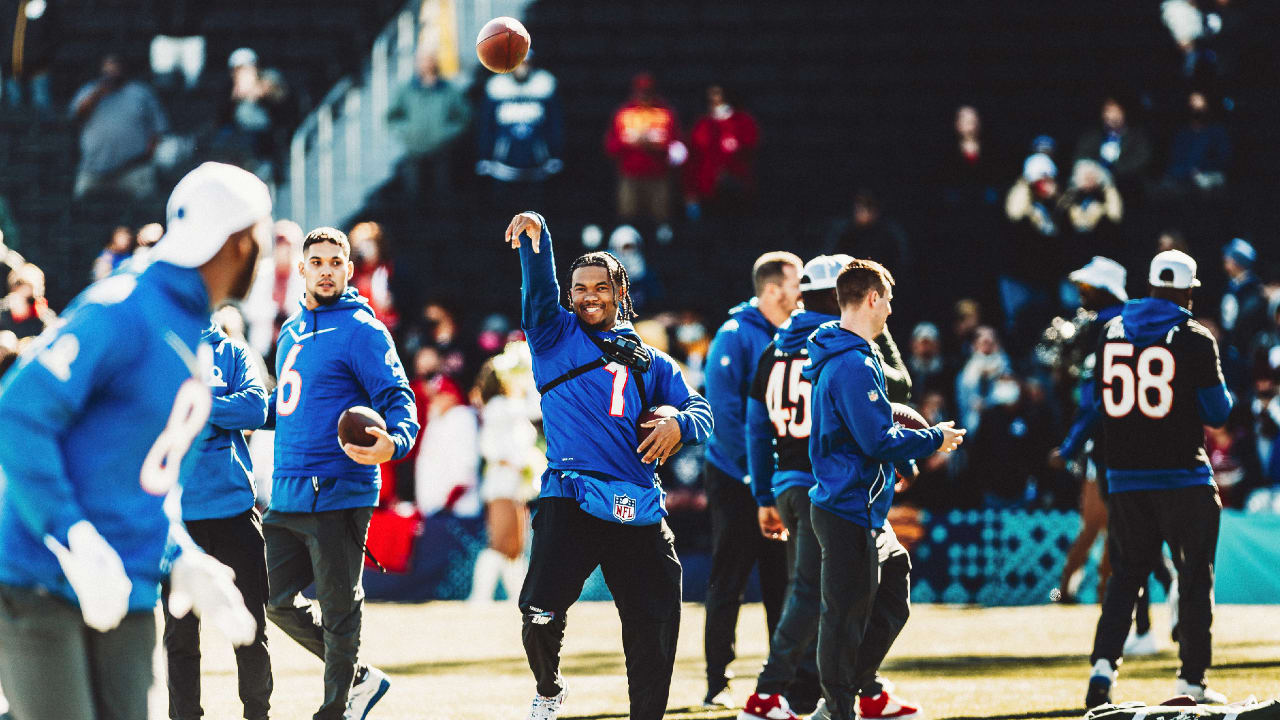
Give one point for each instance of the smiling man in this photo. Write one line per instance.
(601, 504)
(333, 354)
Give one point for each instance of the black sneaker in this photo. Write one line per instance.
(1100, 684)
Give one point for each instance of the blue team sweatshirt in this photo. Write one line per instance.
(222, 484)
(730, 367)
(85, 407)
(520, 130)
(327, 360)
(766, 481)
(590, 421)
(854, 441)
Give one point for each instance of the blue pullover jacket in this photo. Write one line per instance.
(591, 420)
(94, 422)
(731, 364)
(327, 360)
(767, 482)
(222, 484)
(854, 442)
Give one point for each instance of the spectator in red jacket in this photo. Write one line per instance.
(721, 170)
(373, 271)
(644, 138)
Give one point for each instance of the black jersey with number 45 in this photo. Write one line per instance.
(1159, 382)
(778, 409)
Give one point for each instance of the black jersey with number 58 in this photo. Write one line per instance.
(1159, 382)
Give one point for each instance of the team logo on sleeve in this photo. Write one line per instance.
(873, 395)
(624, 507)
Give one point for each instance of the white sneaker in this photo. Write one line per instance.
(1145, 644)
(545, 708)
(820, 712)
(366, 693)
(1200, 693)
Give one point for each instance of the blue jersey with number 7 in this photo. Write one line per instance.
(95, 420)
(591, 421)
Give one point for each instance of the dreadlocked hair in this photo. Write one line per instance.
(617, 278)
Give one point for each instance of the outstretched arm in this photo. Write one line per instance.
(540, 293)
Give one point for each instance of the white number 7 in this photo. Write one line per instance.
(617, 401)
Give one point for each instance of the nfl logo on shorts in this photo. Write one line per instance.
(624, 507)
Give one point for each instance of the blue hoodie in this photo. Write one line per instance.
(327, 360)
(1147, 321)
(222, 484)
(854, 441)
(730, 366)
(767, 482)
(87, 416)
(591, 420)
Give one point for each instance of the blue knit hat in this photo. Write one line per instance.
(1241, 252)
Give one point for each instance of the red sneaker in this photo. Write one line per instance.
(766, 707)
(885, 705)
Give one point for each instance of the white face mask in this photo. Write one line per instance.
(1005, 392)
(721, 111)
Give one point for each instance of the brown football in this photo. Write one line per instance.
(655, 413)
(502, 44)
(907, 417)
(352, 423)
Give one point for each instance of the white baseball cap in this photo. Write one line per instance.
(210, 204)
(1103, 273)
(1173, 269)
(820, 273)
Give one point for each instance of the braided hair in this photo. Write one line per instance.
(618, 279)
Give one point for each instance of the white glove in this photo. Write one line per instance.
(199, 582)
(96, 574)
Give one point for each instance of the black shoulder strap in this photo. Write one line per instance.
(597, 363)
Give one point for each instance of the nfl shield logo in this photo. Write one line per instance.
(624, 507)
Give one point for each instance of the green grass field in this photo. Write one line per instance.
(457, 662)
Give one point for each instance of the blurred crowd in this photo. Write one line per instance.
(1036, 231)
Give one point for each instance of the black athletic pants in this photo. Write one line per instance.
(866, 599)
(1140, 522)
(643, 573)
(237, 543)
(792, 651)
(53, 667)
(737, 545)
(326, 548)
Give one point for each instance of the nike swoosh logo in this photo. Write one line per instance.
(299, 338)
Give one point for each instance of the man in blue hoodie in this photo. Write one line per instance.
(736, 543)
(97, 417)
(219, 513)
(779, 419)
(333, 354)
(1160, 382)
(853, 447)
(601, 504)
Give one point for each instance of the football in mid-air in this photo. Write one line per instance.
(502, 44)
(907, 417)
(352, 424)
(656, 413)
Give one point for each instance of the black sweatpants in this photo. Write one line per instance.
(643, 573)
(1140, 522)
(737, 545)
(53, 667)
(866, 599)
(237, 543)
(791, 647)
(326, 548)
